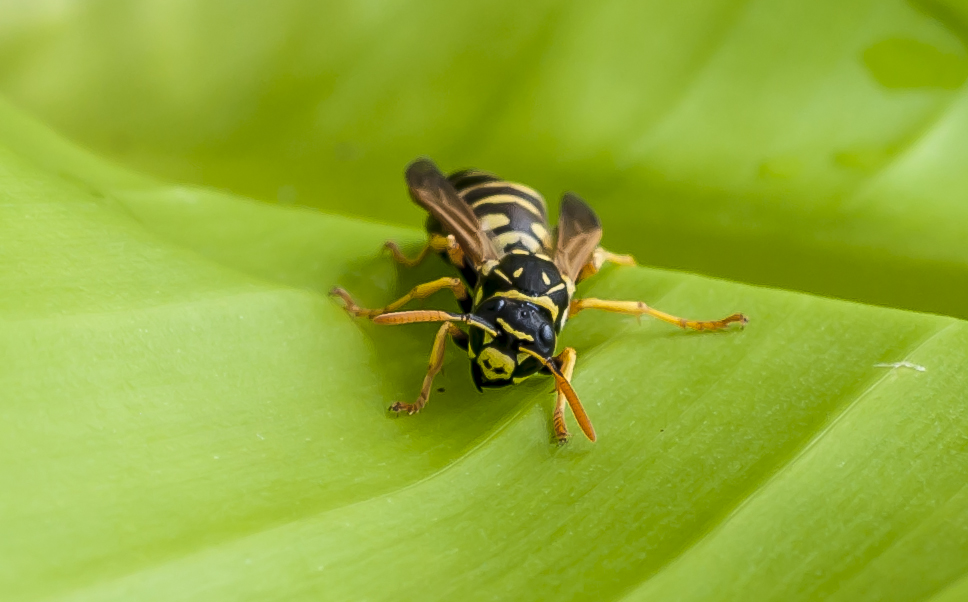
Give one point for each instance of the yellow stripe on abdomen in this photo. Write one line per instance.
(508, 239)
(502, 199)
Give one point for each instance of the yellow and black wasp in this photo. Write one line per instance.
(517, 282)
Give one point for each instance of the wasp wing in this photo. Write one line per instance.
(579, 232)
(432, 191)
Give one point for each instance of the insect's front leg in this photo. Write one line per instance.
(599, 258)
(637, 308)
(418, 292)
(436, 361)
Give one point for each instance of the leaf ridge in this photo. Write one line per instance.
(783, 468)
(957, 583)
(453, 464)
(907, 146)
(714, 48)
(901, 538)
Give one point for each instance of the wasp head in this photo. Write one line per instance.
(497, 360)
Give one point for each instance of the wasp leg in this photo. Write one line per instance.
(437, 244)
(436, 361)
(637, 308)
(400, 258)
(566, 360)
(599, 258)
(418, 292)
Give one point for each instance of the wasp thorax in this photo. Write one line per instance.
(498, 360)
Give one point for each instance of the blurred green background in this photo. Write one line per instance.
(184, 414)
(809, 145)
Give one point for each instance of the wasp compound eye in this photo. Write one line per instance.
(547, 334)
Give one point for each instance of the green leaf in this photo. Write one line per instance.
(816, 146)
(186, 415)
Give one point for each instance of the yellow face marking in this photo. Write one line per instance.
(509, 238)
(544, 277)
(521, 335)
(493, 221)
(518, 272)
(542, 234)
(519, 252)
(555, 288)
(542, 301)
(495, 365)
(488, 337)
(501, 199)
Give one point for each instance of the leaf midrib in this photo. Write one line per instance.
(763, 486)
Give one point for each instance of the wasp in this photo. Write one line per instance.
(516, 288)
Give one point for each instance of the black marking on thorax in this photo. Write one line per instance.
(528, 278)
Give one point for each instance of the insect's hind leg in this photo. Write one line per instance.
(599, 258)
(418, 292)
(437, 243)
(637, 308)
(436, 361)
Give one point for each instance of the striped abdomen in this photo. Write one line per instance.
(514, 216)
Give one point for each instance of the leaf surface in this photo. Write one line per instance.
(186, 415)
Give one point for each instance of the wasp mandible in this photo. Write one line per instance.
(517, 282)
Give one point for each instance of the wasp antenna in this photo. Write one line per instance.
(476, 322)
(564, 387)
(432, 315)
(415, 316)
(575, 404)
